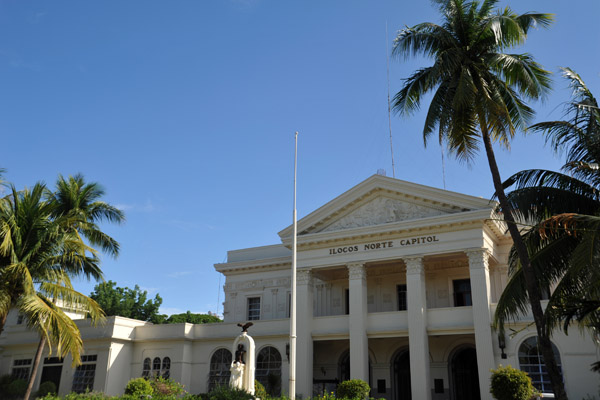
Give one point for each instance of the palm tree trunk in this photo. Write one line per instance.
(531, 282)
(34, 367)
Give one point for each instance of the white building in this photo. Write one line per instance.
(397, 284)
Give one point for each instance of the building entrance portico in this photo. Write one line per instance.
(425, 299)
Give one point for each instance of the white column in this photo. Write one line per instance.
(359, 346)
(418, 340)
(304, 342)
(480, 293)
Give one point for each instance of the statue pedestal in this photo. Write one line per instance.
(244, 363)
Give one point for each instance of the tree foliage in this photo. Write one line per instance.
(134, 303)
(563, 209)
(46, 238)
(192, 318)
(126, 302)
(479, 91)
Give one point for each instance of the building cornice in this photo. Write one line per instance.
(394, 229)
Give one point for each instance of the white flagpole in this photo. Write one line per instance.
(293, 300)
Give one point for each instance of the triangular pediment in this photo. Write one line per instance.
(381, 200)
(383, 210)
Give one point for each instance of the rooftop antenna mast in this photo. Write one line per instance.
(388, 98)
(443, 163)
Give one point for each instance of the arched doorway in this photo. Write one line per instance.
(344, 368)
(401, 376)
(465, 379)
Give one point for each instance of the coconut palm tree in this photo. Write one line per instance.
(81, 202)
(479, 92)
(564, 209)
(38, 257)
(64, 218)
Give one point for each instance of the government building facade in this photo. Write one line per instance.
(397, 284)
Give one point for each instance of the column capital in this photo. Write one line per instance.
(356, 271)
(478, 258)
(303, 277)
(274, 291)
(414, 265)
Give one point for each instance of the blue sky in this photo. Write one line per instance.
(185, 112)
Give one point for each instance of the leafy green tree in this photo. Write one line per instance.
(192, 318)
(38, 256)
(563, 208)
(126, 302)
(479, 92)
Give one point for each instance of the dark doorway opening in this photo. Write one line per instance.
(51, 373)
(401, 376)
(465, 379)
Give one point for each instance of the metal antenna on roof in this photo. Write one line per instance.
(443, 163)
(388, 98)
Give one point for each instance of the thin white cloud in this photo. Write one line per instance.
(147, 207)
(16, 61)
(37, 17)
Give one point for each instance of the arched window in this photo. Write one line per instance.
(166, 368)
(531, 361)
(268, 370)
(146, 368)
(219, 374)
(156, 366)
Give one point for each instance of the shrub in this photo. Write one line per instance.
(139, 387)
(16, 388)
(5, 380)
(259, 390)
(166, 387)
(46, 388)
(353, 389)
(225, 392)
(508, 383)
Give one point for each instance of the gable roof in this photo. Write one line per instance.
(380, 200)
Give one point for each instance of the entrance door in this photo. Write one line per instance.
(52, 374)
(401, 376)
(465, 379)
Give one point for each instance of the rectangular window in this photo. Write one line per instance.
(289, 308)
(462, 292)
(20, 319)
(347, 301)
(21, 369)
(84, 374)
(401, 297)
(253, 308)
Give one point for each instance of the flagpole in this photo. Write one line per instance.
(292, 392)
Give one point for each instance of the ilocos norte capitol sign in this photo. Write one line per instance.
(414, 241)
